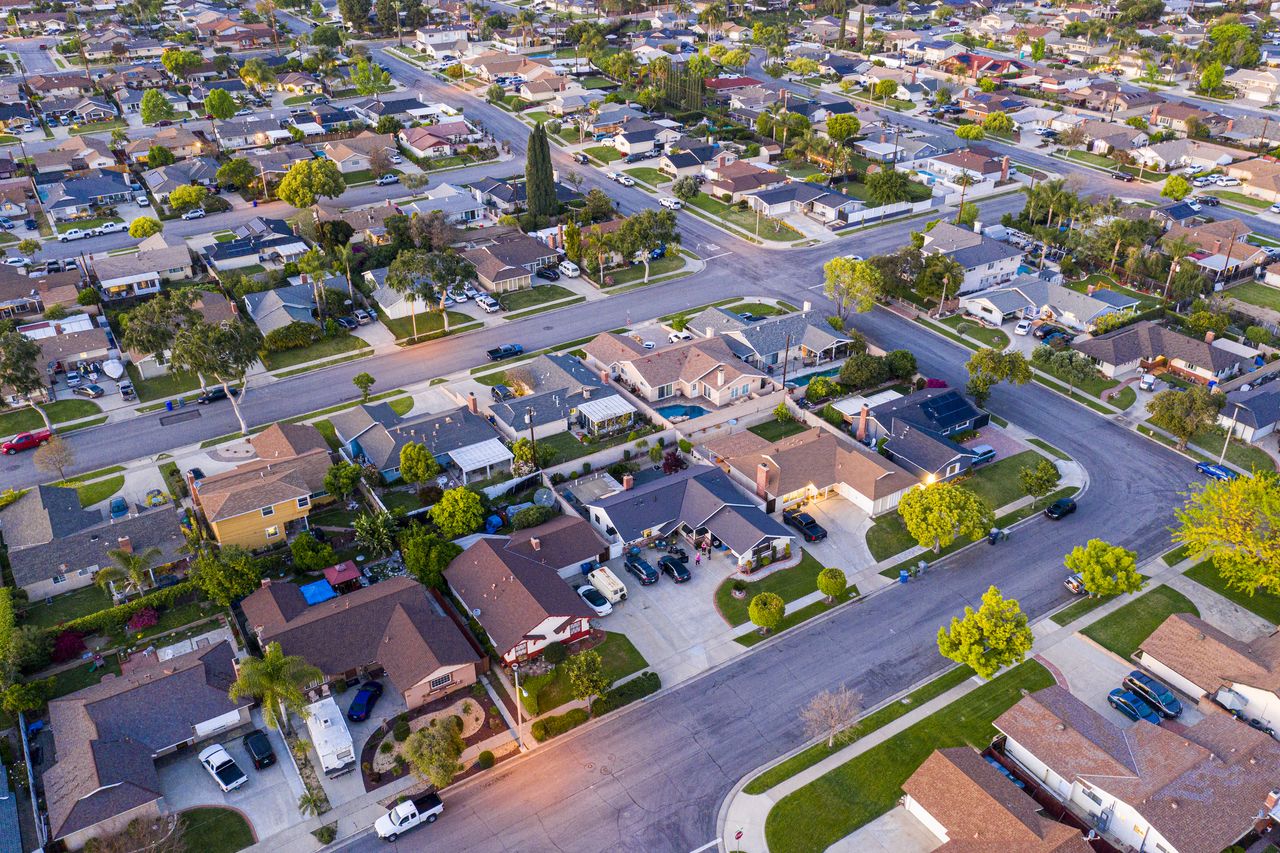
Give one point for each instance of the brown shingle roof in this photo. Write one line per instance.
(1210, 658)
(285, 441)
(262, 483)
(1147, 340)
(692, 361)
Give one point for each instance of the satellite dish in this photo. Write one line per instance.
(475, 611)
(113, 368)
(544, 497)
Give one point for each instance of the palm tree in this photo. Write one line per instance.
(279, 682)
(964, 180)
(310, 803)
(1176, 248)
(267, 9)
(524, 20)
(950, 272)
(712, 17)
(132, 570)
(345, 256)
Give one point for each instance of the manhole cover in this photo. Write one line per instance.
(179, 417)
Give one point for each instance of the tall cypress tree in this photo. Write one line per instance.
(540, 187)
(862, 28)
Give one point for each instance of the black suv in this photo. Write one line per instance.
(1060, 509)
(258, 745)
(642, 570)
(806, 524)
(674, 569)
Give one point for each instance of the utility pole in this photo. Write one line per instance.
(1226, 442)
(786, 356)
(515, 670)
(528, 416)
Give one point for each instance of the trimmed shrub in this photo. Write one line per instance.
(554, 653)
(116, 617)
(144, 618)
(626, 693)
(532, 516)
(401, 730)
(386, 746)
(548, 727)
(484, 760)
(67, 646)
(296, 335)
(7, 622)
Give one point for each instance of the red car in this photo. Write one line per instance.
(26, 441)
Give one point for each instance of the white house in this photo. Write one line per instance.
(986, 262)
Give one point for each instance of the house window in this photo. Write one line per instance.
(733, 393)
(746, 389)
(442, 681)
(1091, 795)
(304, 502)
(268, 510)
(57, 579)
(272, 531)
(664, 391)
(953, 469)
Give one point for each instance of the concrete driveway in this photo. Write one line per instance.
(846, 544)
(895, 831)
(269, 799)
(349, 786)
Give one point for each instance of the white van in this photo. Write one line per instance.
(607, 583)
(569, 269)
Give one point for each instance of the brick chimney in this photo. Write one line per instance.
(1208, 337)
(806, 305)
(604, 376)
(762, 479)
(266, 582)
(628, 482)
(473, 405)
(536, 543)
(1217, 246)
(862, 422)
(124, 544)
(1004, 168)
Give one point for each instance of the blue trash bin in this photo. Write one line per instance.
(168, 405)
(903, 576)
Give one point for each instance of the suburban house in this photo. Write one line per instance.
(356, 154)
(34, 294)
(268, 242)
(514, 588)
(640, 136)
(735, 181)
(560, 393)
(181, 143)
(422, 142)
(165, 179)
(1261, 177)
(811, 465)
(1029, 297)
(143, 272)
(965, 802)
(74, 154)
(698, 504)
(395, 627)
(458, 206)
(917, 429)
(1201, 787)
(1260, 85)
(704, 369)
(56, 547)
(1176, 153)
(253, 504)
(77, 337)
(802, 340)
(1148, 347)
(986, 262)
(1253, 414)
(460, 439)
(79, 197)
(299, 83)
(277, 308)
(814, 200)
(108, 737)
(507, 260)
(250, 133)
(368, 224)
(976, 165)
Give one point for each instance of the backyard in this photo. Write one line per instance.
(65, 607)
(1256, 293)
(567, 446)
(776, 430)
(1123, 630)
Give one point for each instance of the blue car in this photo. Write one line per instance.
(1131, 706)
(366, 697)
(119, 507)
(1216, 472)
(1155, 694)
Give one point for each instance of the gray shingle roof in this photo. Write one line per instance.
(382, 434)
(43, 514)
(1146, 340)
(773, 335)
(1257, 408)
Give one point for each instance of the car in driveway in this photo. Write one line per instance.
(222, 767)
(348, 323)
(1155, 694)
(594, 599)
(808, 526)
(366, 697)
(548, 273)
(119, 507)
(213, 395)
(674, 569)
(93, 392)
(1060, 509)
(258, 745)
(1216, 472)
(1022, 328)
(1132, 706)
(641, 569)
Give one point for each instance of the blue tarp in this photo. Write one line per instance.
(317, 592)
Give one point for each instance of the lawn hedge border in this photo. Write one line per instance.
(548, 727)
(627, 692)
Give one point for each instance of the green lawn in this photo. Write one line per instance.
(401, 500)
(294, 100)
(324, 348)
(429, 323)
(747, 220)
(780, 773)
(997, 482)
(868, 785)
(1126, 398)
(335, 515)
(215, 830)
(1085, 605)
(1177, 555)
(1050, 449)
(991, 337)
(85, 224)
(1093, 159)
(1123, 630)
(521, 299)
(92, 493)
(597, 83)
(60, 412)
(795, 617)
(916, 192)
(162, 387)
(775, 430)
(537, 116)
(65, 607)
(1145, 300)
(792, 583)
(620, 659)
(79, 676)
(650, 176)
(1239, 198)
(603, 153)
(1093, 386)
(668, 263)
(1265, 604)
(98, 126)
(567, 447)
(1258, 294)
(888, 536)
(1239, 453)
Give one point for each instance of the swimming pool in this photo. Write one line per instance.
(808, 377)
(679, 410)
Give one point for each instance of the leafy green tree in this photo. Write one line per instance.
(971, 132)
(327, 35)
(1234, 523)
(540, 181)
(150, 328)
(310, 554)
(998, 122)
(1176, 187)
(448, 271)
(863, 370)
(832, 582)
(370, 80)
(841, 127)
(257, 73)
(937, 514)
(458, 512)
(645, 232)
(27, 696)
(279, 682)
(410, 275)
(219, 104)
(144, 227)
(586, 675)
(426, 555)
(418, 465)
(1039, 479)
(1211, 78)
(236, 172)
(223, 352)
(851, 285)
(158, 156)
(309, 180)
(1105, 569)
(28, 247)
(341, 480)
(888, 186)
(376, 531)
(994, 636)
(1182, 414)
(886, 89)
(186, 197)
(524, 452)
(766, 611)
(227, 574)
(1074, 367)
(180, 62)
(990, 366)
(154, 107)
(433, 751)
(901, 364)
(21, 372)
(685, 188)
(364, 384)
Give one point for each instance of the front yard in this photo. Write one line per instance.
(795, 582)
(603, 153)
(543, 693)
(1123, 630)
(1265, 604)
(649, 175)
(323, 348)
(429, 323)
(86, 224)
(989, 337)
(521, 299)
(668, 263)
(215, 830)
(161, 387)
(61, 411)
(997, 482)
(747, 220)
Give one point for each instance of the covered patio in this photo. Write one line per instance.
(483, 457)
(606, 415)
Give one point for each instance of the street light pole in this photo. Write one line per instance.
(515, 670)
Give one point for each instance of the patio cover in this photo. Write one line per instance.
(604, 408)
(342, 573)
(483, 455)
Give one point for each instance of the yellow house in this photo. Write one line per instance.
(253, 504)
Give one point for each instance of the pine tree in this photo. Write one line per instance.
(862, 28)
(844, 24)
(540, 189)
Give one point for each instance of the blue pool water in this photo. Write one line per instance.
(1023, 269)
(808, 377)
(680, 410)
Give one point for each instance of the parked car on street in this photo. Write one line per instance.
(808, 526)
(1060, 509)
(1216, 472)
(258, 745)
(414, 812)
(26, 441)
(1075, 584)
(387, 180)
(222, 767)
(1155, 694)
(213, 395)
(671, 203)
(1131, 706)
(194, 213)
(642, 571)
(72, 234)
(595, 600)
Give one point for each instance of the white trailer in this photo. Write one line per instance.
(330, 737)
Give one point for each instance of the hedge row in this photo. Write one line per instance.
(549, 727)
(8, 621)
(115, 617)
(626, 693)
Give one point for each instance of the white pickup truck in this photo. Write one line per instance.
(405, 816)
